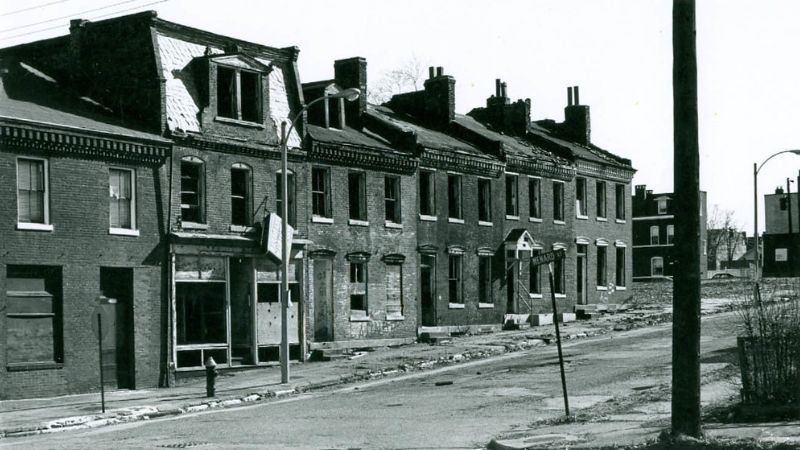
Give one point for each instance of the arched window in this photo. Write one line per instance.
(654, 235)
(193, 190)
(657, 266)
(241, 195)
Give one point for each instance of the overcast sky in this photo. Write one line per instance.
(618, 52)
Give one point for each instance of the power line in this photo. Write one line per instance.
(31, 8)
(67, 17)
(90, 18)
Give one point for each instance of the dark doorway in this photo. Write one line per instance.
(581, 274)
(118, 355)
(512, 306)
(427, 273)
(323, 299)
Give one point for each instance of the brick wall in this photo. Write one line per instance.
(376, 239)
(80, 245)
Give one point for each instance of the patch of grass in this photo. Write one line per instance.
(705, 444)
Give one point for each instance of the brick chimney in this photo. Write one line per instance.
(577, 123)
(77, 30)
(352, 73)
(440, 97)
(502, 115)
(640, 191)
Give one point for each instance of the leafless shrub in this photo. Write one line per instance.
(769, 345)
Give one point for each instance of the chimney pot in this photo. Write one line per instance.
(577, 96)
(439, 71)
(431, 72)
(497, 87)
(569, 96)
(503, 89)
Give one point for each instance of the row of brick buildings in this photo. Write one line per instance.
(138, 158)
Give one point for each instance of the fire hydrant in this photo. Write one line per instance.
(211, 376)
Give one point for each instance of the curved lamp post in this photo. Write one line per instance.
(349, 95)
(756, 169)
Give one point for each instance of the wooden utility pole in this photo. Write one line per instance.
(686, 176)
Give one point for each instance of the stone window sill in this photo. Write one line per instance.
(454, 220)
(394, 225)
(395, 318)
(34, 226)
(357, 222)
(535, 219)
(620, 220)
(123, 232)
(194, 226)
(485, 224)
(534, 295)
(622, 288)
(359, 318)
(602, 219)
(561, 295)
(455, 306)
(426, 218)
(485, 305)
(241, 229)
(582, 217)
(511, 217)
(559, 222)
(24, 367)
(243, 123)
(602, 288)
(320, 219)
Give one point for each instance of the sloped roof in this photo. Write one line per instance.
(513, 146)
(29, 94)
(348, 136)
(589, 152)
(425, 136)
(175, 54)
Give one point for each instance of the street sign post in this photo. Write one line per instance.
(105, 313)
(548, 258)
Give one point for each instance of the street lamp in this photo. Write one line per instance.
(349, 95)
(756, 169)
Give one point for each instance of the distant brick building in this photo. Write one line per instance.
(781, 254)
(654, 231)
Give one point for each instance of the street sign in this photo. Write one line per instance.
(548, 257)
(273, 235)
(106, 309)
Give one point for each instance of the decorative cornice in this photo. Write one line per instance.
(53, 141)
(540, 167)
(460, 163)
(604, 171)
(351, 155)
(237, 148)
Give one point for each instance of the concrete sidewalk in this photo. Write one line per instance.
(47, 415)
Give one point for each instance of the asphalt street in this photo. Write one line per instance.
(461, 406)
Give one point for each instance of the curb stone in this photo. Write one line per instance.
(149, 412)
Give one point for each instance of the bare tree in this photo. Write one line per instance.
(725, 236)
(407, 77)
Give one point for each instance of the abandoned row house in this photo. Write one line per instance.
(138, 175)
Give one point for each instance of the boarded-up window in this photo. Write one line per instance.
(33, 313)
(394, 290)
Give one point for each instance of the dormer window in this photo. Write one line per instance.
(334, 112)
(239, 94)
